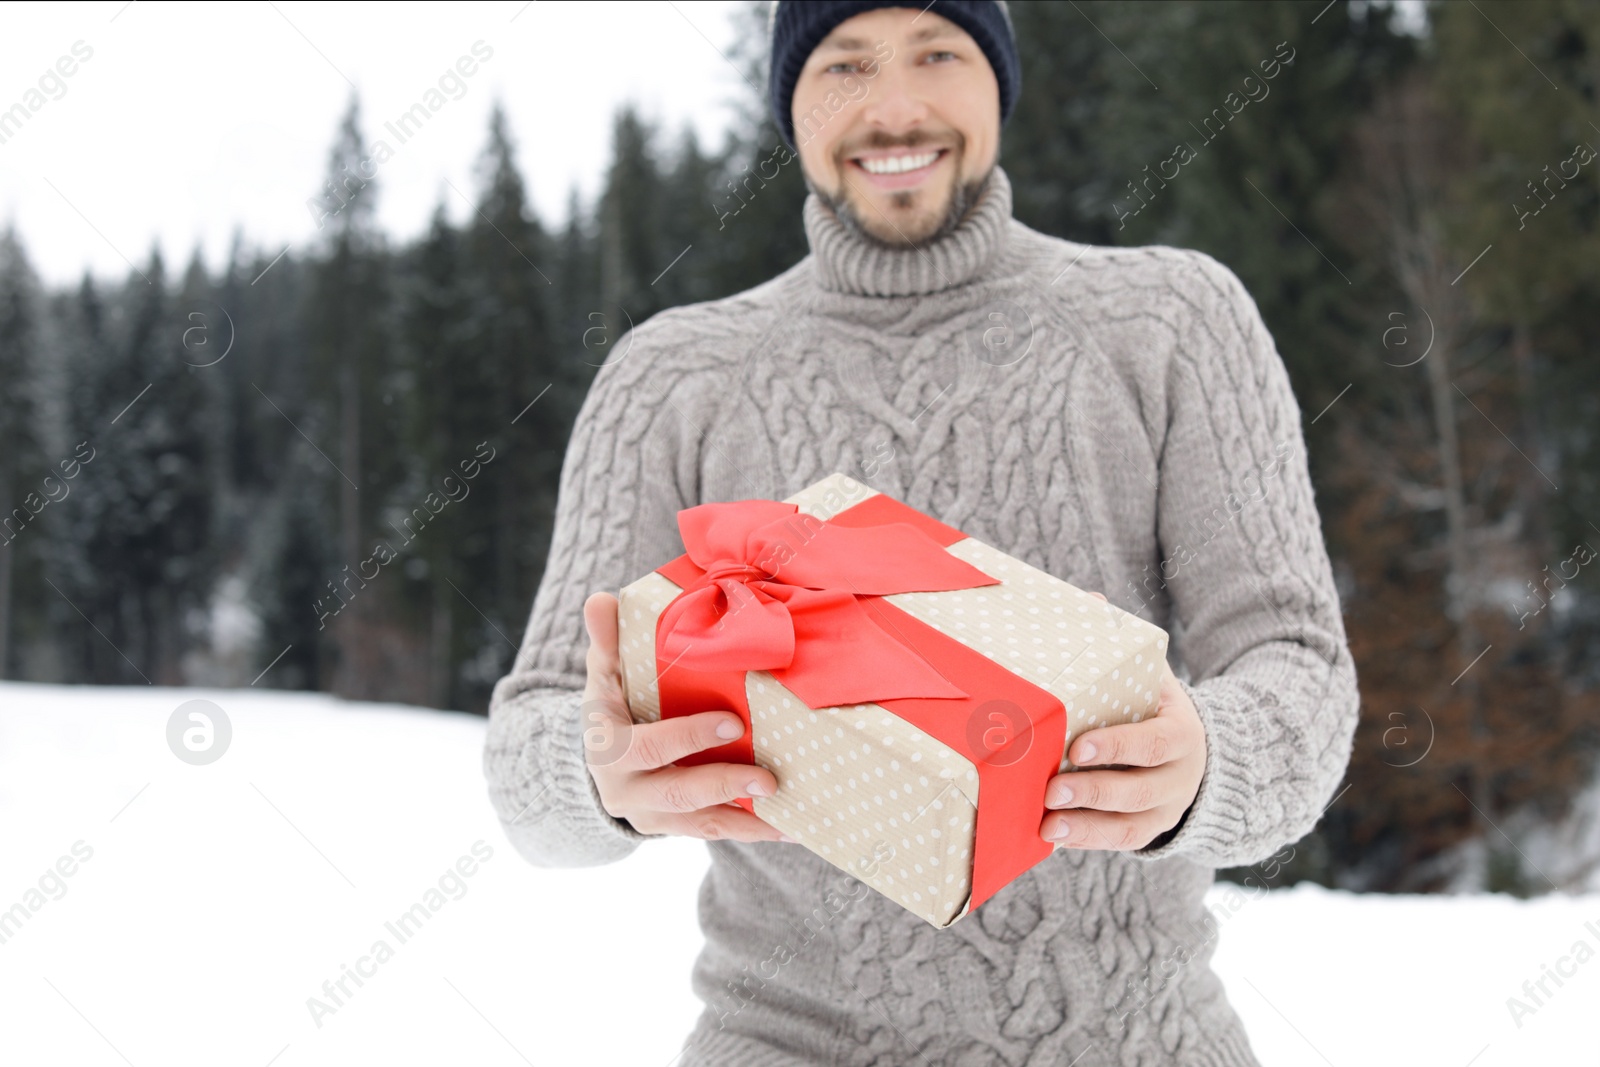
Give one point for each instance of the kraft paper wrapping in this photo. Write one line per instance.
(866, 790)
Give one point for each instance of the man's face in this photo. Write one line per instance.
(897, 119)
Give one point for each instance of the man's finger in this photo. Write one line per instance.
(1135, 789)
(1112, 830)
(663, 743)
(602, 660)
(728, 823)
(1149, 743)
(685, 789)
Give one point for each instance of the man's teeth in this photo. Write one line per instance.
(898, 164)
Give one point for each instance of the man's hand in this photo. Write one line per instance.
(631, 763)
(1127, 809)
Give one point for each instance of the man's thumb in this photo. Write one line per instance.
(600, 620)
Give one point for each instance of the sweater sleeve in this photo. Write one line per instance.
(1252, 589)
(630, 465)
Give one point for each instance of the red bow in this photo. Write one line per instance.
(779, 592)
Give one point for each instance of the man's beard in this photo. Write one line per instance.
(964, 196)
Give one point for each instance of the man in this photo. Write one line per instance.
(1117, 417)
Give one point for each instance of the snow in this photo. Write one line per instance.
(216, 899)
(1324, 977)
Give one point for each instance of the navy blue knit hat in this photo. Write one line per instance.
(796, 27)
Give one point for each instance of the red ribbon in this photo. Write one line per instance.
(780, 592)
(767, 588)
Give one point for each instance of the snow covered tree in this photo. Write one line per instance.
(453, 397)
(20, 461)
(134, 547)
(353, 411)
(506, 260)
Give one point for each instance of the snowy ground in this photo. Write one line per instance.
(206, 904)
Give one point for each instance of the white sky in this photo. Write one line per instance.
(192, 119)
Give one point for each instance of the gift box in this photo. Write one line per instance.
(911, 688)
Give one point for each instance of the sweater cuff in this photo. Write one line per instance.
(1215, 819)
(539, 781)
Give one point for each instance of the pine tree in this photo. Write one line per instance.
(1532, 208)
(20, 464)
(83, 327)
(752, 215)
(684, 278)
(353, 411)
(135, 547)
(283, 509)
(633, 248)
(578, 325)
(453, 397)
(476, 363)
(292, 567)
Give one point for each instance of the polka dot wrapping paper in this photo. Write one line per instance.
(880, 796)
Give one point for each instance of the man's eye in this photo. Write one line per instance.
(941, 55)
(843, 68)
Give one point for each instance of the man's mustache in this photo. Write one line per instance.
(880, 141)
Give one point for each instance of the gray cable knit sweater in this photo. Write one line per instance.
(1117, 417)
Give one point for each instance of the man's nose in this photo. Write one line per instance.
(893, 103)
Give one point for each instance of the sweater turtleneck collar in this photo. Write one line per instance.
(847, 262)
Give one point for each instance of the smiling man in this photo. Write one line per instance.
(1117, 417)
